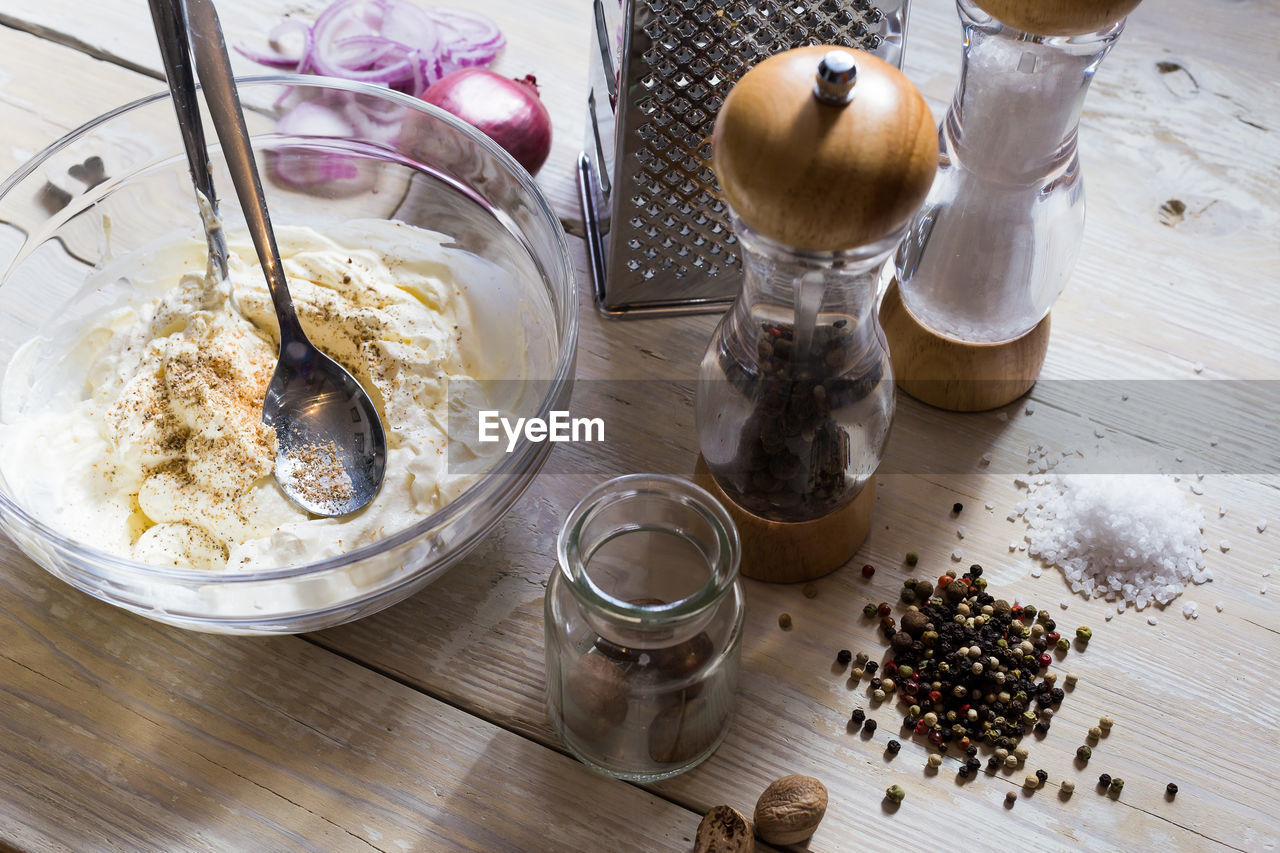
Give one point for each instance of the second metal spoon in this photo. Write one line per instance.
(331, 447)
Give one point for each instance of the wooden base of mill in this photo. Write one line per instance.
(957, 375)
(791, 552)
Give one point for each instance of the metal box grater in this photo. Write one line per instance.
(658, 234)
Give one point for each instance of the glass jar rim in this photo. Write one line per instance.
(572, 562)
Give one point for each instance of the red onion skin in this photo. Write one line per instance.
(507, 111)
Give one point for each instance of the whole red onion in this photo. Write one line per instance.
(507, 111)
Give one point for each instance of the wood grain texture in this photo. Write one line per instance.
(121, 734)
(817, 176)
(1178, 112)
(957, 375)
(1058, 17)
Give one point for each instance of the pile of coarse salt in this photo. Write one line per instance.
(1128, 538)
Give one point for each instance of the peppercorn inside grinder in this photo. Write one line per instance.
(823, 155)
(966, 310)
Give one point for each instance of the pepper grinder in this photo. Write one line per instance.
(967, 311)
(823, 154)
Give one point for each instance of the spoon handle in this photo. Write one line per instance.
(213, 65)
(170, 22)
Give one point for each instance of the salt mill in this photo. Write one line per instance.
(823, 155)
(967, 316)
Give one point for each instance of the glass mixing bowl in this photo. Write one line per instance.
(330, 151)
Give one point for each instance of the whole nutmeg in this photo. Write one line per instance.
(724, 830)
(596, 688)
(790, 809)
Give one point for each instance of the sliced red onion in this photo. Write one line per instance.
(394, 43)
(279, 58)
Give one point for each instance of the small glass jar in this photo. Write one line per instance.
(643, 622)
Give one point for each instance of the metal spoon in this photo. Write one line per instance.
(331, 448)
(169, 19)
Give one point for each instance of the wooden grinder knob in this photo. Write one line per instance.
(1058, 17)
(809, 170)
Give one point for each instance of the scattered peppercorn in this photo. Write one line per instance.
(784, 621)
(1104, 780)
(971, 751)
(1083, 753)
(1064, 645)
(993, 764)
(858, 715)
(895, 794)
(963, 771)
(1071, 679)
(1010, 798)
(1031, 783)
(843, 657)
(884, 610)
(1116, 785)
(1011, 761)
(973, 764)
(957, 507)
(1095, 732)
(861, 658)
(868, 570)
(912, 558)
(1068, 787)
(871, 666)
(1084, 634)
(869, 726)
(810, 590)
(1042, 775)
(935, 760)
(893, 746)
(1105, 723)
(1171, 789)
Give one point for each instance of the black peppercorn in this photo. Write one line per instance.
(909, 722)
(1056, 695)
(876, 684)
(963, 771)
(1042, 775)
(971, 751)
(1042, 727)
(993, 764)
(871, 666)
(1104, 780)
(975, 571)
(957, 507)
(858, 716)
(869, 726)
(893, 746)
(1171, 789)
(942, 748)
(843, 657)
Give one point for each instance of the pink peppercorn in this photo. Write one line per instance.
(1045, 660)
(868, 570)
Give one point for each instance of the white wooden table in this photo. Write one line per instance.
(423, 727)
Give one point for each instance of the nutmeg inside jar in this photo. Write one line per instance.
(643, 627)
